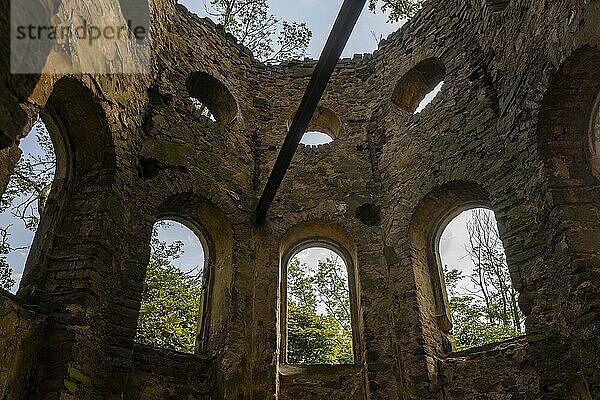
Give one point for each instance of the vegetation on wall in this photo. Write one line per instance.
(398, 9)
(487, 311)
(272, 39)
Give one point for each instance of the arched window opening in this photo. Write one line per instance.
(319, 316)
(24, 202)
(315, 139)
(482, 299)
(325, 126)
(421, 81)
(171, 314)
(594, 140)
(497, 5)
(211, 98)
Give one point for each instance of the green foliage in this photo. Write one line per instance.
(171, 301)
(269, 38)
(6, 273)
(319, 324)
(30, 184)
(398, 9)
(26, 195)
(489, 313)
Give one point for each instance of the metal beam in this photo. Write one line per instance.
(338, 38)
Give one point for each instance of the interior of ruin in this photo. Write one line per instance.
(515, 129)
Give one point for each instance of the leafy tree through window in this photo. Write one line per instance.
(319, 326)
(174, 289)
(482, 299)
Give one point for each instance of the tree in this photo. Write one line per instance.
(171, 301)
(318, 320)
(6, 273)
(26, 195)
(398, 9)
(270, 38)
(31, 181)
(489, 313)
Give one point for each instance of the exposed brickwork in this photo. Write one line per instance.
(509, 130)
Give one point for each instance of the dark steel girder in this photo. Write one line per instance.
(338, 38)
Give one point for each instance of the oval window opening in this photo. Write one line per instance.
(315, 139)
(429, 97)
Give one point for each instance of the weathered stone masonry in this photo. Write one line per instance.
(510, 131)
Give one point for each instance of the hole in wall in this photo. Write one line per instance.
(324, 127)
(422, 80)
(482, 299)
(315, 139)
(211, 98)
(497, 5)
(429, 97)
(369, 214)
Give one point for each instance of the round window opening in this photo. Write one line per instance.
(315, 139)
(595, 140)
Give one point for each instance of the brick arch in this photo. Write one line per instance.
(438, 208)
(330, 236)
(415, 84)
(565, 119)
(215, 232)
(73, 252)
(214, 95)
(85, 158)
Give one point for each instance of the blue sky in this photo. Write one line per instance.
(319, 16)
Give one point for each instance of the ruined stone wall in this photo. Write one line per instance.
(161, 374)
(20, 347)
(512, 374)
(505, 132)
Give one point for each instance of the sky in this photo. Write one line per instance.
(319, 16)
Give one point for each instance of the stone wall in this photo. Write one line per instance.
(501, 371)
(506, 132)
(21, 332)
(161, 374)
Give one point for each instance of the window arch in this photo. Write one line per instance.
(433, 215)
(211, 98)
(325, 126)
(423, 80)
(207, 224)
(319, 317)
(481, 298)
(24, 200)
(84, 156)
(173, 309)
